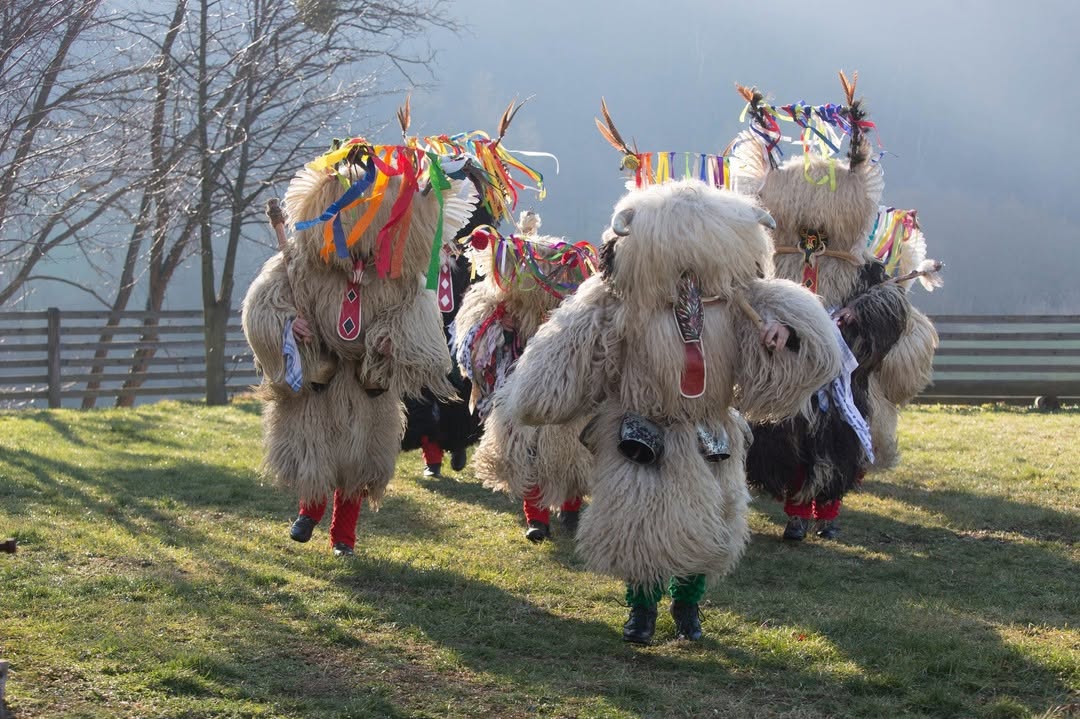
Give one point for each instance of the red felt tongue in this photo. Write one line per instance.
(692, 382)
(349, 319)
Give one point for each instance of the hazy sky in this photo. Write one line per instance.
(972, 99)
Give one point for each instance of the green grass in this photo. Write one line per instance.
(155, 578)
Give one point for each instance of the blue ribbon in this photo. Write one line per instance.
(352, 194)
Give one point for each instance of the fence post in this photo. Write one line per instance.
(54, 357)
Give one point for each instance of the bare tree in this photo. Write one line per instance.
(63, 98)
(253, 83)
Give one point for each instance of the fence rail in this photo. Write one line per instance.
(1011, 358)
(58, 357)
(52, 356)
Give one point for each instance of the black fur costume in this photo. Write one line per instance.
(450, 424)
(828, 447)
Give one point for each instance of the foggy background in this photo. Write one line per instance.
(973, 101)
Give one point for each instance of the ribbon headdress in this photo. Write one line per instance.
(423, 164)
(757, 150)
(527, 261)
(655, 167)
(893, 236)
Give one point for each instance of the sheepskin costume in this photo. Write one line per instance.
(342, 429)
(680, 257)
(905, 371)
(824, 208)
(508, 306)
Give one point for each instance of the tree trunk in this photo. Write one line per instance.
(216, 321)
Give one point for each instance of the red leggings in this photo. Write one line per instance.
(431, 450)
(343, 521)
(812, 509)
(535, 512)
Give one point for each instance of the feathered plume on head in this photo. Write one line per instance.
(404, 117)
(762, 121)
(650, 168)
(631, 160)
(859, 146)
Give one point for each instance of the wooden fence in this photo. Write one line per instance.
(47, 356)
(1010, 358)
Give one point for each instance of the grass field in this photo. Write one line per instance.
(155, 578)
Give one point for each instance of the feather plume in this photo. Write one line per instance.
(508, 115)
(404, 117)
(858, 150)
(611, 133)
(614, 141)
(750, 94)
(930, 274)
(849, 87)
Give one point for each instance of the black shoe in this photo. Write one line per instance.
(342, 550)
(537, 531)
(687, 616)
(301, 529)
(458, 458)
(640, 626)
(829, 529)
(796, 529)
(433, 470)
(569, 521)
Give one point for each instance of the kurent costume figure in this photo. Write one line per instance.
(677, 329)
(525, 276)
(341, 323)
(825, 209)
(433, 425)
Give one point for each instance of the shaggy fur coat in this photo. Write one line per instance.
(614, 347)
(904, 372)
(343, 429)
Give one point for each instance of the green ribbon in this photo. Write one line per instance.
(439, 184)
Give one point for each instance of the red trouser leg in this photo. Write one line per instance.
(533, 510)
(804, 510)
(571, 505)
(827, 510)
(431, 450)
(315, 511)
(343, 523)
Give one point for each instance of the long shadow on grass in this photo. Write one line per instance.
(979, 512)
(469, 490)
(917, 609)
(144, 499)
(546, 656)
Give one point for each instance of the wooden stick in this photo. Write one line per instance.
(277, 221)
(749, 311)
